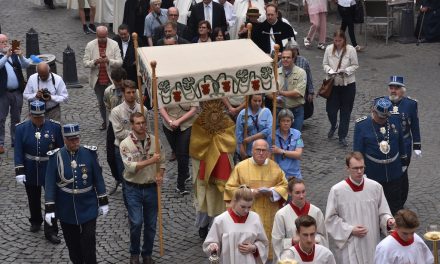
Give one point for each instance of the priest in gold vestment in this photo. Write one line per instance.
(212, 146)
(267, 181)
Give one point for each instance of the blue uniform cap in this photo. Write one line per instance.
(37, 108)
(71, 130)
(383, 107)
(397, 81)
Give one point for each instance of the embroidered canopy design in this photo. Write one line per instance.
(206, 71)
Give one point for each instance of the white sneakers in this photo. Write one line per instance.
(307, 43)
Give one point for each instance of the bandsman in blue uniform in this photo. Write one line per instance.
(406, 108)
(75, 194)
(379, 138)
(33, 139)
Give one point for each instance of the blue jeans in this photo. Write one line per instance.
(298, 115)
(142, 209)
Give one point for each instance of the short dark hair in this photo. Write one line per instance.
(355, 155)
(128, 84)
(123, 27)
(406, 218)
(172, 24)
(118, 74)
(205, 22)
(218, 30)
(136, 115)
(305, 221)
(293, 51)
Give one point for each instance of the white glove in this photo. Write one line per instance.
(48, 217)
(404, 168)
(103, 210)
(21, 179)
(418, 153)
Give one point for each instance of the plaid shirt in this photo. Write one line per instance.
(303, 63)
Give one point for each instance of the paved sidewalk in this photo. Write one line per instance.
(322, 163)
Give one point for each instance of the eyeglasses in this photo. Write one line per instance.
(261, 150)
(358, 168)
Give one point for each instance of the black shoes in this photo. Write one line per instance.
(86, 29)
(343, 142)
(49, 3)
(103, 126)
(116, 188)
(92, 28)
(53, 239)
(203, 232)
(332, 131)
(35, 228)
(182, 191)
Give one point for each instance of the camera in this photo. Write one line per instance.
(46, 94)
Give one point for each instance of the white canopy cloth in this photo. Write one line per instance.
(206, 71)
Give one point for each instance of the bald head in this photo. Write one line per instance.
(101, 34)
(43, 70)
(173, 14)
(260, 151)
(3, 37)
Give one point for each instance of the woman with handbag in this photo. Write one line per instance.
(340, 62)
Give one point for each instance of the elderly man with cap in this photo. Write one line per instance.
(75, 194)
(34, 138)
(246, 12)
(379, 138)
(406, 108)
(47, 87)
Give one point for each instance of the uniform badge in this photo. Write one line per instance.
(37, 135)
(395, 109)
(73, 164)
(84, 182)
(84, 171)
(383, 130)
(46, 135)
(84, 176)
(384, 147)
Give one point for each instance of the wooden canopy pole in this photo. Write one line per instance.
(139, 80)
(157, 148)
(274, 95)
(246, 103)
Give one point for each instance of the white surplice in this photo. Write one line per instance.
(322, 255)
(118, 14)
(284, 228)
(390, 251)
(228, 235)
(346, 209)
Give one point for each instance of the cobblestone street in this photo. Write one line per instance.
(323, 162)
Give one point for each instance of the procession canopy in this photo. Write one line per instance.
(207, 71)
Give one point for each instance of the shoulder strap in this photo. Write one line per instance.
(340, 60)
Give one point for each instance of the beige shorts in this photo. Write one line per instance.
(81, 3)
